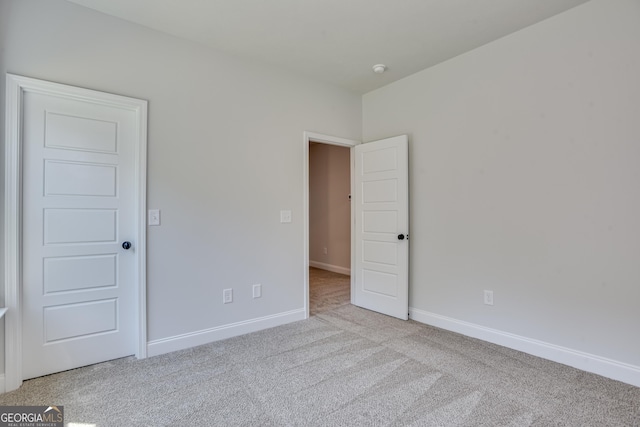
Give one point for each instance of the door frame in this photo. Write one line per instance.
(330, 140)
(16, 86)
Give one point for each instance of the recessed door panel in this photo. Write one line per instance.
(65, 274)
(79, 179)
(380, 191)
(379, 221)
(380, 283)
(80, 133)
(79, 226)
(383, 160)
(80, 320)
(376, 252)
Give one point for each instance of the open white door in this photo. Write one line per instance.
(382, 226)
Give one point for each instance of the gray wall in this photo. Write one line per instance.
(525, 166)
(225, 155)
(524, 169)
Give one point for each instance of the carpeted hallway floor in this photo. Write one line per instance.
(342, 367)
(327, 290)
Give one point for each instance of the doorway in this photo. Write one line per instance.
(328, 174)
(379, 172)
(329, 227)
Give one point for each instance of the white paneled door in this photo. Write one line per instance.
(78, 210)
(382, 226)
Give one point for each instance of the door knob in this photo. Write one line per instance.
(400, 236)
(126, 245)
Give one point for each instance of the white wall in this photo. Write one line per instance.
(525, 172)
(225, 156)
(329, 207)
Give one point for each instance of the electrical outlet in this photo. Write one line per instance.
(257, 290)
(227, 296)
(488, 297)
(285, 217)
(325, 251)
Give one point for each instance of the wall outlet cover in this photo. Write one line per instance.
(154, 217)
(257, 290)
(488, 297)
(227, 296)
(285, 217)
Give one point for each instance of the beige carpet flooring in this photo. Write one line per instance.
(342, 367)
(327, 290)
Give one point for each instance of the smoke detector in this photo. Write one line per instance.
(379, 68)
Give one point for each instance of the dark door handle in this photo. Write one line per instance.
(400, 236)
(126, 245)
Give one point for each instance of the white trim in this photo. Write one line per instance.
(12, 235)
(332, 140)
(609, 368)
(16, 87)
(329, 267)
(206, 336)
(141, 195)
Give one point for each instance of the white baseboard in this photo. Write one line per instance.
(193, 339)
(329, 267)
(609, 368)
(3, 384)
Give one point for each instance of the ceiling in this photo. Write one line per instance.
(338, 41)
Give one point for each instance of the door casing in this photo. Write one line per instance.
(16, 86)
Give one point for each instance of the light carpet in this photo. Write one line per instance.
(344, 367)
(327, 290)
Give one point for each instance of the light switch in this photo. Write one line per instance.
(285, 216)
(154, 216)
